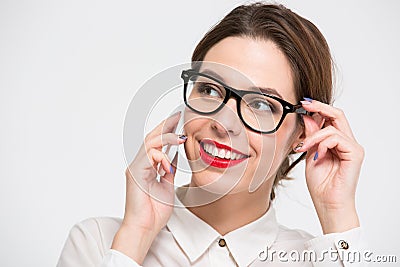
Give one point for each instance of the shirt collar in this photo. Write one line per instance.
(193, 234)
(244, 243)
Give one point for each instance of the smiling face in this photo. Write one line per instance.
(254, 157)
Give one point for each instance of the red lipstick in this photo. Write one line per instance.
(216, 161)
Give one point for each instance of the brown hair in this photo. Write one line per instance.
(300, 40)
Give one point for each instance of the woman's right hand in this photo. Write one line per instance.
(146, 211)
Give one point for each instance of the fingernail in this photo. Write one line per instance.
(299, 145)
(307, 99)
(305, 102)
(171, 170)
(316, 155)
(182, 136)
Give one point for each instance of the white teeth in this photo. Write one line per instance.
(215, 152)
(221, 153)
(234, 155)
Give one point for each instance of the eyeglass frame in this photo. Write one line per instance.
(238, 96)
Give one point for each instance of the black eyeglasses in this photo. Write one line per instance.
(260, 112)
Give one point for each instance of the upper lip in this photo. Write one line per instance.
(219, 145)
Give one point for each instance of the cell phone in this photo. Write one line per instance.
(170, 150)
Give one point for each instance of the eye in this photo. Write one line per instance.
(261, 105)
(209, 89)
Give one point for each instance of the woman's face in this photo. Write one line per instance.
(265, 66)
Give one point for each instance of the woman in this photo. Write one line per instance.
(285, 53)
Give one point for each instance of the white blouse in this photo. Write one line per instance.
(187, 240)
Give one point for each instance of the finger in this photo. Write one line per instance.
(170, 177)
(310, 126)
(157, 157)
(166, 126)
(339, 144)
(165, 139)
(318, 136)
(166, 166)
(342, 146)
(335, 116)
(161, 169)
(169, 139)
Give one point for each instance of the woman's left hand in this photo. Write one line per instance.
(333, 166)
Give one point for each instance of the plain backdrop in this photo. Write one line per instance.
(69, 69)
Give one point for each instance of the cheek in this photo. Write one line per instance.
(194, 122)
(273, 148)
(266, 158)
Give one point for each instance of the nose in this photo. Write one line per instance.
(226, 121)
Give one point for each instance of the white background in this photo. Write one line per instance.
(68, 70)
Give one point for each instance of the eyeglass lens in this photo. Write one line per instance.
(259, 112)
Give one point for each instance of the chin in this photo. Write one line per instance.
(219, 183)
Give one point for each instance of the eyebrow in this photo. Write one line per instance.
(264, 90)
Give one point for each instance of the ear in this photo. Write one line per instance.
(311, 125)
(298, 137)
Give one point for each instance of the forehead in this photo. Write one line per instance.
(259, 61)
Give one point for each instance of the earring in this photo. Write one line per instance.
(299, 145)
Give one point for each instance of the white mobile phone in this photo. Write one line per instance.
(170, 150)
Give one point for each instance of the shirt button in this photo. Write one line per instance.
(343, 244)
(222, 242)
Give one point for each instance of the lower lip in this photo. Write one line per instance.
(218, 162)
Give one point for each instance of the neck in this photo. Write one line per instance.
(234, 210)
